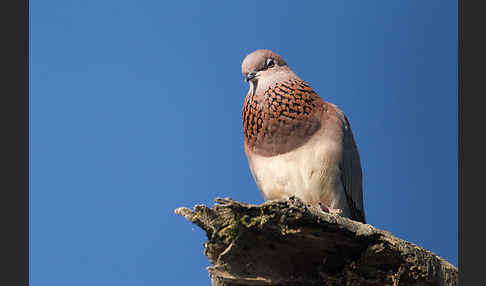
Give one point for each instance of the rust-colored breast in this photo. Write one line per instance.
(282, 119)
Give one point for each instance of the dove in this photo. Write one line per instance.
(296, 143)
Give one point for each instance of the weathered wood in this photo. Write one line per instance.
(286, 243)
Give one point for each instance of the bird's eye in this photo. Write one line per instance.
(269, 63)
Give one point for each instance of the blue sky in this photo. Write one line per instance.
(135, 110)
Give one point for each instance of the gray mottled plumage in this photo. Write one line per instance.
(297, 143)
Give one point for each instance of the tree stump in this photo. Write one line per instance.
(286, 243)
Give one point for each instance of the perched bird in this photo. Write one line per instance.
(296, 143)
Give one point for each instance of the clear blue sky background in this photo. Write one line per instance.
(135, 110)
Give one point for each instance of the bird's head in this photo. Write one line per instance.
(261, 64)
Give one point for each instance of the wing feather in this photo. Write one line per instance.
(351, 173)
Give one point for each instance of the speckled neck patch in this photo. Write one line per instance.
(282, 119)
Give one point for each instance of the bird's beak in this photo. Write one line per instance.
(251, 75)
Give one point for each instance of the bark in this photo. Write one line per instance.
(286, 243)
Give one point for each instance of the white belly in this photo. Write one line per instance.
(310, 172)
